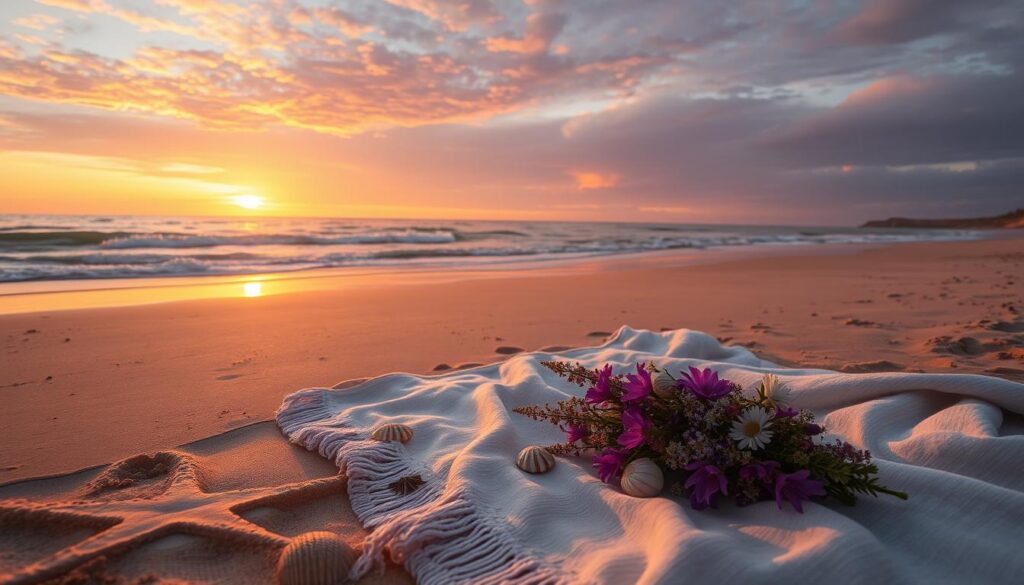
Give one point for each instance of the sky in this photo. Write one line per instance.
(810, 112)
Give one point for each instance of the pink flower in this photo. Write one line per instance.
(635, 425)
(795, 487)
(574, 433)
(639, 385)
(609, 464)
(704, 384)
(601, 391)
(706, 481)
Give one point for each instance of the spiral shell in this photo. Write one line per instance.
(391, 432)
(642, 478)
(534, 459)
(315, 558)
(664, 385)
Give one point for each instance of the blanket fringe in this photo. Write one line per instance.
(439, 537)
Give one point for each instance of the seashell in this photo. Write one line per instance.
(390, 432)
(664, 385)
(642, 478)
(315, 558)
(534, 459)
(406, 485)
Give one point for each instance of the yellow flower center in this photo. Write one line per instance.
(751, 428)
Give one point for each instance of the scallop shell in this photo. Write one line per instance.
(391, 432)
(315, 558)
(534, 459)
(642, 478)
(664, 385)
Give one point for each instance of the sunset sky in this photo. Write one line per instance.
(683, 111)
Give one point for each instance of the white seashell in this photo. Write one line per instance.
(664, 385)
(642, 478)
(391, 432)
(534, 459)
(315, 558)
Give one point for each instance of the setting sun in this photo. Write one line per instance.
(248, 201)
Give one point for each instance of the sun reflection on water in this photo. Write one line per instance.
(252, 289)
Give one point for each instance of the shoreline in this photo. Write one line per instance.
(90, 386)
(75, 294)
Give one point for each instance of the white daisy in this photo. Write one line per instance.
(774, 392)
(751, 429)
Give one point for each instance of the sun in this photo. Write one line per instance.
(248, 201)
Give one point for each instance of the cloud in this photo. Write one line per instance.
(838, 112)
(586, 180)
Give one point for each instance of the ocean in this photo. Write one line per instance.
(39, 248)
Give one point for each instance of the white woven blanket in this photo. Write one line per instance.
(954, 442)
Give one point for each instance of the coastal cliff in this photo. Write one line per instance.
(1014, 219)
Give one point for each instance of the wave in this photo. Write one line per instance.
(58, 238)
(37, 240)
(132, 247)
(186, 241)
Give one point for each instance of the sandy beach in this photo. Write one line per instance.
(87, 387)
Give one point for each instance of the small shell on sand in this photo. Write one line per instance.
(391, 432)
(315, 558)
(534, 459)
(642, 478)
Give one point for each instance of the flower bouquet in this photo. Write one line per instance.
(703, 430)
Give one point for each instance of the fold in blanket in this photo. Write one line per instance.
(954, 442)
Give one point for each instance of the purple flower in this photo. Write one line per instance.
(785, 412)
(574, 433)
(813, 429)
(704, 384)
(706, 481)
(638, 386)
(796, 487)
(609, 464)
(634, 425)
(601, 391)
(763, 472)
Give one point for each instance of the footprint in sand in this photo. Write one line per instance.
(441, 367)
(598, 334)
(466, 366)
(860, 323)
(508, 350)
(555, 348)
(229, 376)
(969, 345)
(1008, 326)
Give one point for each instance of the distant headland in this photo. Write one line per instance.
(1014, 219)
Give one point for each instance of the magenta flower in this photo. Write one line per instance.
(634, 425)
(706, 481)
(704, 384)
(638, 386)
(574, 433)
(795, 487)
(609, 464)
(601, 391)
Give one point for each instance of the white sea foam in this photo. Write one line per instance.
(59, 248)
